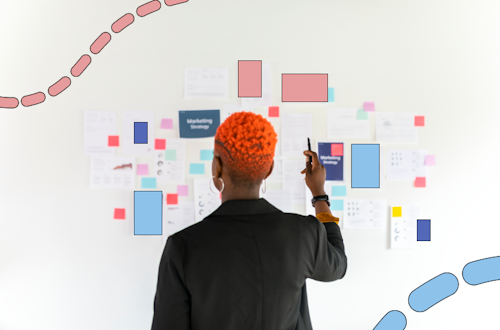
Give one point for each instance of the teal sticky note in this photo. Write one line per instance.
(148, 183)
(330, 94)
(362, 115)
(339, 191)
(206, 154)
(171, 154)
(337, 205)
(196, 168)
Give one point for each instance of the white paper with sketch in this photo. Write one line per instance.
(112, 172)
(281, 199)
(177, 217)
(165, 168)
(138, 149)
(267, 96)
(206, 83)
(97, 125)
(205, 201)
(365, 214)
(295, 129)
(395, 127)
(294, 180)
(342, 123)
(405, 164)
(404, 228)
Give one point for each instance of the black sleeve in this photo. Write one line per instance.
(172, 304)
(330, 262)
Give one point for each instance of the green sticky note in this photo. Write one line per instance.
(196, 168)
(362, 114)
(207, 154)
(148, 183)
(339, 191)
(337, 205)
(330, 94)
(170, 154)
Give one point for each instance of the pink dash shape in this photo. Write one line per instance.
(304, 87)
(249, 78)
(174, 2)
(148, 8)
(8, 102)
(81, 65)
(122, 22)
(100, 42)
(33, 99)
(59, 86)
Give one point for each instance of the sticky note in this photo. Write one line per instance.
(148, 183)
(365, 165)
(142, 169)
(195, 168)
(140, 132)
(166, 123)
(339, 191)
(119, 214)
(362, 115)
(430, 160)
(423, 230)
(207, 154)
(182, 190)
(330, 94)
(397, 211)
(148, 213)
(304, 87)
(369, 106)
(337, 205)
(274, 112)
(172, 199)
(337, 149)
(160, 144)
(249, 78)
(419, 121)
(171, 154)
(113, 141)
(420, 182)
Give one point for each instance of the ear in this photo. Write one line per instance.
(218, 165)
(270, 171)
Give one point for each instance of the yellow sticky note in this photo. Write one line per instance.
(396, 211)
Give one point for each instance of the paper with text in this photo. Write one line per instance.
(138, 149)
(405, 164)
(365, 214)
(295, 129)
(97, 125)
(404, 228)
(206, 202)
(177, 217)
(342, 123)
(395, 127)
(168, 169)
(112, 172)
(206, 83)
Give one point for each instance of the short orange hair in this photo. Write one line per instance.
(246, 142)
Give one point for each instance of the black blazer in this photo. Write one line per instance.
(244, 267)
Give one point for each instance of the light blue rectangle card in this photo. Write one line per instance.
(148, 183)
(339, 191)
(337, 205)
(195, 168)
(207, 154)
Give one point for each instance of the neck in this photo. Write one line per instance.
(230, 193)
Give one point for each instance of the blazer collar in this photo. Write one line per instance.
(244, 207)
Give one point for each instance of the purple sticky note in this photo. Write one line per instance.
(369, 106)
(430, 160)
(142, 169)
(182, 190)
(166, 123)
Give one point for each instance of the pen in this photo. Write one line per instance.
(309, 146)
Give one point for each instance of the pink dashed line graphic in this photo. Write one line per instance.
(84, 61)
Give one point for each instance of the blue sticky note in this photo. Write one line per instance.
(423, 230)
(330, 94)
(148, 183)
(195, 168)
(365, 165)
(207, 154)
(141, 132)
(148, 212)
(339, 191)
(337, 205)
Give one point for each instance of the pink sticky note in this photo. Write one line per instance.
(166, 123)
(182, 190)
(142, 169)
(113, 141)
(419, 121)
(160, 144)
(369, 106)
(274, 112)
(420, 181)
(172, 199)
(430, 160)
(119, 214)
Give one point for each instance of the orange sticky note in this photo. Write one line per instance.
(337, 149)
(419, 121)
(119, 214)
(160, 144)
(113, 141)
(274, 112)
(172, 199)
(420, 182)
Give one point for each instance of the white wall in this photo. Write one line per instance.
(65, 264)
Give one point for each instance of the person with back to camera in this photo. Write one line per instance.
(244, 266)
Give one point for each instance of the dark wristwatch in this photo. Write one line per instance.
(321, 198)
